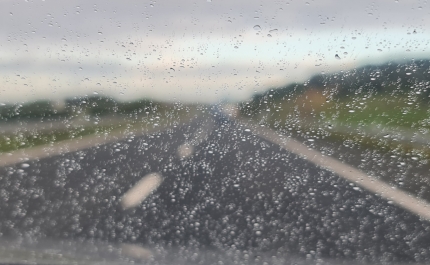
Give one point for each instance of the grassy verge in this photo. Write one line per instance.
(385, 110)
(30, 139)
(27, 139)
(386, 123)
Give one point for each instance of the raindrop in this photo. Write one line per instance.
(25, 165)
(268, 35)
(337, 56)
(257, 27)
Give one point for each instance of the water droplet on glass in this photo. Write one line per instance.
(257, 27)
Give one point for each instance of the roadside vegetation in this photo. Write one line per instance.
(383, 107)
(44, 122)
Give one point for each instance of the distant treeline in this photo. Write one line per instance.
(72, 107)
(402, 79)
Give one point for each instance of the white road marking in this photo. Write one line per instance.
(398, 197)
(73, 145)
(230, 110)
(185, 150)
(141, 190)
(200, 135)
(136, 251)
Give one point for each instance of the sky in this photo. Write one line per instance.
(196, 50)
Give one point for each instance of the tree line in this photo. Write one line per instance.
(72, 107)
(411, 78)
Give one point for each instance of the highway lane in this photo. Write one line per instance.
(233, 192)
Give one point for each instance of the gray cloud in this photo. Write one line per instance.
(53, 49)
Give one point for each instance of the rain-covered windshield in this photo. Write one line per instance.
(214, 132)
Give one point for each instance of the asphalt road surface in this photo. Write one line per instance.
(216, 186)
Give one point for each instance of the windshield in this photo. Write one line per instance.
(214, 132)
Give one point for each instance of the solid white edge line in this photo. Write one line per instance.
(72, 145)
(398, 197)
(141, 190)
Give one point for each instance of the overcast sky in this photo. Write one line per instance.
(195, 50)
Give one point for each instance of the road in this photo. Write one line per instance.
(216, 186)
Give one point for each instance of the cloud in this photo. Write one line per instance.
(195, 50)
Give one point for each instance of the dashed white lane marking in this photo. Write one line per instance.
(201, 134)
(185, 150)
(141, 190)
(136, 251)
(398, 197)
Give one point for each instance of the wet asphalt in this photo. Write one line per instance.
(236, 194)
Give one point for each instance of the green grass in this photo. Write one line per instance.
(382, 110)
(28, 139)
(353, 119)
